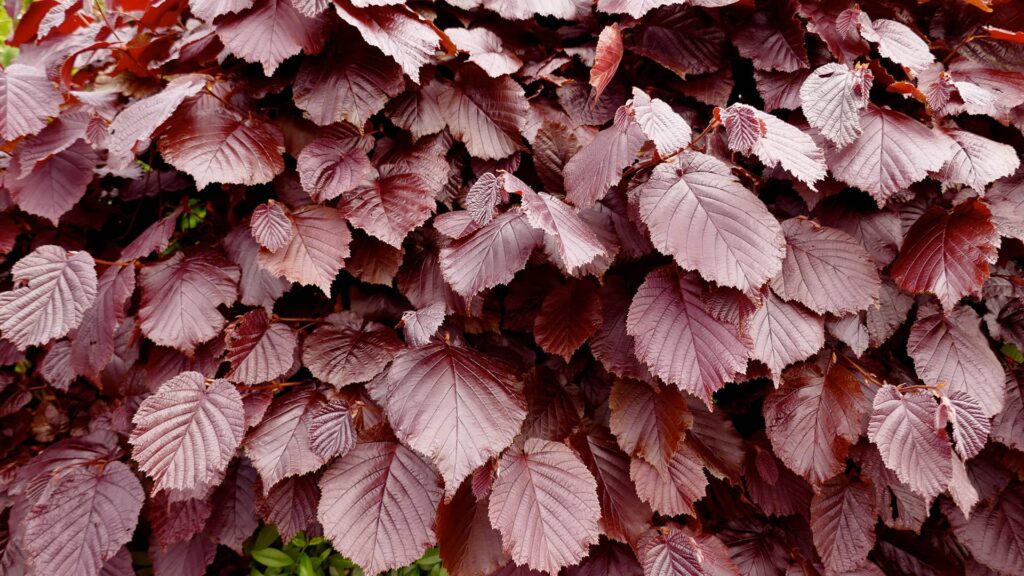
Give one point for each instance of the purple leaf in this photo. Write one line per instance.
(186, 433)
(316, 252)
(465, 539)
(607, 56)
(389, 206)
(490, 256)
(291, 505)
(347, 349)
(649, 421)
(544, 503)
(180, 296)
(487, 114)
(700, 214)
(333, 165)
(396, 30)
(454, 405)
(280, 446)
(137, 123)
(843, 523)
(903, 428)
(331, 433)
(485, 50)
(600, 163)
(897, 42)
(419, 326)
(234, 507)
(784, 332)
(56, 185)
(675, 489)
(773, 43)
(52, 291)
(269, 33)
(677, 338)
(378, 505)
(256, 286)
(669, 551)
(660, 123)
(259, 350)
(978, 161)
(832, 98)
(270, 226)
(575, 243)
(86, 519)
(350, 84)
(27, 98)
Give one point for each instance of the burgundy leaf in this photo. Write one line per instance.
(454, 405)
(270, 226)
(825, 269)
(419, 326)
(611, 344)
(256, 286)
(86, 519)
(186, 433)
(675, 489)
(607, 559)
(396, 30)
(155, 238)
(27, 98)
(180, 296)
(832, 98)
(490, 256)
(669, 551)
(1008, 425)
(465, 539)
(487, 114)
(843, 523)
(600, 163)
(814, 417)
(684, 40)
(947, 253)
(544, 503)
(210, 9)
(970, 423)
(189, 558)
(903, 428)
(575, 243)
(56, 366)
(649, 421)
(330, 430)
(978, 161)
(1006, 201)
(331, 166)
(137, 123)
(660, 123)
(953, 352)
(784, 332)
(484, 197)
(269, 33)
(607, 56)
(176, 521)
(485, 50)
(259, 350)
(234, 507)
(773, 45)
(993, 532)
(350, 84)
(897, 42)
(786, 145)
(389, 206)
(347, 349)
(378, 505)
(280, 446)
(316, 252)
(56, 185)
(52, 291)
(291, 505)
(677, 338)
(207, 143)
(892, 152)
(569, 315)
(700, 214)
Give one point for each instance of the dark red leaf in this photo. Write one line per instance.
(348, 349)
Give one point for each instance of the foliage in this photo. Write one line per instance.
(557, 286)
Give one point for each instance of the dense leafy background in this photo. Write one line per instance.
(559, 286)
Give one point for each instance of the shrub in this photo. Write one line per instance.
(612, 287)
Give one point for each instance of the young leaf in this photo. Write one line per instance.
(316, 252)
(832, 98)
(607, 56)
(271, 227)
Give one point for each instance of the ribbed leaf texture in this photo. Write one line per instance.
(578, 287)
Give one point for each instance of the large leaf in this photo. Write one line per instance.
(346, 85)
(139, 121)
(784, 332)
(180, 297)
(27, 98)
(466, 541)
(825, 269)
(832, 98)
(86, 519)
(674, 490)
(599, 164)
(490, 256)
(544, 502)
(892, 152)
(903, 426)
(215, 144)
(649, 421)
(569, 315)
(455, 405)
(347, 349)
(52, 291)
(814, 418)
(993, 534)
(700, 214)
(186, 433)
(378, 505)
(55, 185)
(678, 339)
(396, 30)
(953, 352)
(485, 50)
(334, 164)
(280, 446)
(575, 243)
(259, 350)
(669, 551)
(487, 114)
(978, 161)
(947, 253)
(843, 523)
(316, 252)
(389, 206)
(660, 123)
(269, 33)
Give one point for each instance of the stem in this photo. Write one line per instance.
(953, 51)
(278, 385)
(277, 318)
(658, 160)
(869, 376)
(115, 262)
(912, 387)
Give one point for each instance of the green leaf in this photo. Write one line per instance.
(306, 566)
(272, 557)
(299, 540)
(1012, 352)
(266, 537)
